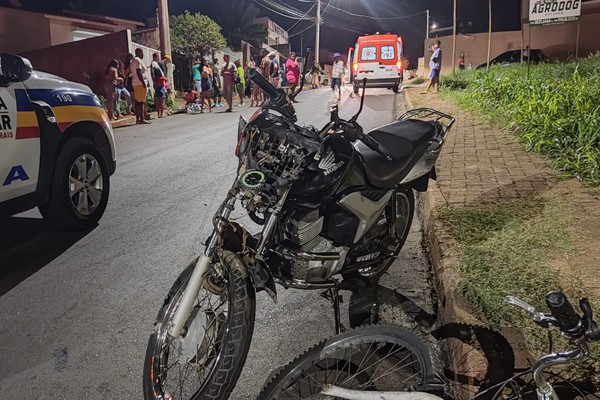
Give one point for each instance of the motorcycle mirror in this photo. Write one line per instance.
(362, 101)
(302, 75)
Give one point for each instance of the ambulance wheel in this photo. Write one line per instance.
(80, 187)
(396, 88)
(355, 87)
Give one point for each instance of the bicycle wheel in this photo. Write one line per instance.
(374, 358)
(475, 359)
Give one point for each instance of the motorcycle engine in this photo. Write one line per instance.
(304, 236)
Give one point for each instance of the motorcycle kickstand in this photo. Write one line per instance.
(333, 295)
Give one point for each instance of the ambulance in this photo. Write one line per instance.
(57, 148)
(379, 59)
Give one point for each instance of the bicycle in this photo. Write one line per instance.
(392, 363)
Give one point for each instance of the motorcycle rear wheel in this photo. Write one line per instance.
(405, 210)
(207, 360)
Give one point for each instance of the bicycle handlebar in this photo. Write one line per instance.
(565, 315)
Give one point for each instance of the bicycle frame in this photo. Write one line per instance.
(544, 389)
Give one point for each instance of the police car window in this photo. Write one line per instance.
(368, 53)
(387, 52)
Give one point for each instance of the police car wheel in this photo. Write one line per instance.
(79, 188)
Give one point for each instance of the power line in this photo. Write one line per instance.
(280, 10)
(376, 18)
(303, 30)
(302, 19)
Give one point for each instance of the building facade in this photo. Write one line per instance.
(558, 42)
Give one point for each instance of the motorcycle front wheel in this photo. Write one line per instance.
(207, 360)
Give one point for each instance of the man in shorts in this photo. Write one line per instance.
(337, 72)
(140, 89)
(435, 65)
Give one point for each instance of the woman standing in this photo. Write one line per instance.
(128, 81)
(461, 61)
(293, 73)
(112, 80)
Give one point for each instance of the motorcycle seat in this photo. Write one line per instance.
(406, 141)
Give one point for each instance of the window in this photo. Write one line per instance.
(387, 53)
(81, 34)
(368, 53)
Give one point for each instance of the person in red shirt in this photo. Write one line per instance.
(191, 96)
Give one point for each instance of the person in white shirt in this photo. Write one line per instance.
(138, 75)
(337, 73)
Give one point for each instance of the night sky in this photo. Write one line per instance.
(340, 29)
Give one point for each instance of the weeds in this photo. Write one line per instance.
(555, 112)
(511, 249)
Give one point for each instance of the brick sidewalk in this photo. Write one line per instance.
(481, 163)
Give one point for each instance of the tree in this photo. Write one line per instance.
(195, 35)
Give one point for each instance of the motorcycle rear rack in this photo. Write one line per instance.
(430, 115)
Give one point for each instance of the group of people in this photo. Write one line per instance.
(131, 81)
(213, 82)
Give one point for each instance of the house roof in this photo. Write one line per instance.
(99, 22)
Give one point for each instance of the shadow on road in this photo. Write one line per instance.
(27, 246)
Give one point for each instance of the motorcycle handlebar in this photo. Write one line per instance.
(264, 84)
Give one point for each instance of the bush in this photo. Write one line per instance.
(555, 112)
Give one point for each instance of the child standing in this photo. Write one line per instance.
(206, 85)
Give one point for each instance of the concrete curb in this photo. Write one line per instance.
(440, 245)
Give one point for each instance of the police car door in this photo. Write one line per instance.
(19, 143)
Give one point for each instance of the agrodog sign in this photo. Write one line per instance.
(549, 12)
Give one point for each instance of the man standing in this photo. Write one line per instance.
(435, 65)
(196, 76)
(273, 69)
(336, 74)
(159, 81)
(228, 72)
(217, 83)
(140, 89)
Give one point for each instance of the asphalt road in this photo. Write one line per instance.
(76, 310)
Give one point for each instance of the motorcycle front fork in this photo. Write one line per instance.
(202, 265)
(204, 262)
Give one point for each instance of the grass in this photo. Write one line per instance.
(556, 111)
(512, 249)
(417, 81)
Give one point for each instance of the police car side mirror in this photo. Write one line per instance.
(14, 68)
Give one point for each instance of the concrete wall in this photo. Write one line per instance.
(60, 33)
(474, 46)
(33, 31)
(83, 61)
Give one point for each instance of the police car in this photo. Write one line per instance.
(57, 148)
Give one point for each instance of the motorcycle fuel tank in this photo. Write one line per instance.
(324, 174)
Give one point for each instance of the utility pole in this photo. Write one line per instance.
(454, 41)
(489, 33)
(427, 34)
(318, 33)
(164, 32)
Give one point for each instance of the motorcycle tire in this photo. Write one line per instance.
(222, 355)
(366, 358)
(405, 211)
